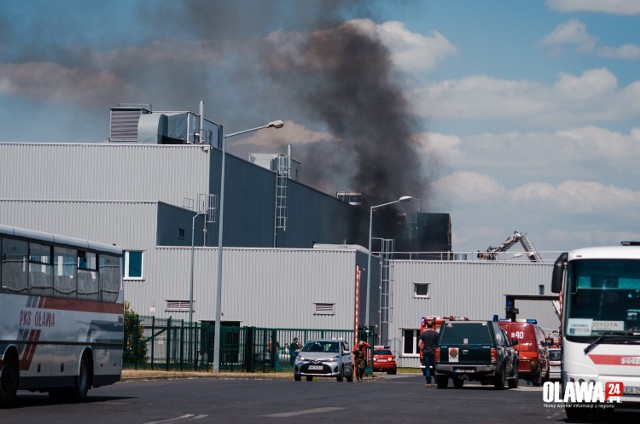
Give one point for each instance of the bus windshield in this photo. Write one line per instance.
(603, 297)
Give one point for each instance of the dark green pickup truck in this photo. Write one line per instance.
(476, 351)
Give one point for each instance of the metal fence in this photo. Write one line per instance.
(169, 344)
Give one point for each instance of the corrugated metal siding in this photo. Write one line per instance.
(473, 289)
(104, 172)
(260, 287)
(333, 221)
(248, 204)
(130, 225)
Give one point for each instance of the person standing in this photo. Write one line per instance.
(360, 358)
(427, 343)
(293, 350)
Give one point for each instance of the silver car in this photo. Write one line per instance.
(555, 364)
(324, 358)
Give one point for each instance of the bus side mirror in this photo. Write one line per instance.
(558, 273)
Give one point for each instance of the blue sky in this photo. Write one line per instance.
(524, 114)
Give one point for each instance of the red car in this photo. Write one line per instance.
(532, 349)
(384, 360)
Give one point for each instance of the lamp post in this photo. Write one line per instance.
(216, 334)
(401, 199)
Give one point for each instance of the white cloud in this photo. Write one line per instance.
(444, 146)
(592, 85)
(465, 187)
(591, 97)
(578, 197)
(618, 7)
(571, 32)
(411, 51)
(627, 52)
(574, 32)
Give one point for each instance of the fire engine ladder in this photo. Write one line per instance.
(558, 308)
(524, 240)
(532, 253)
(387, 248)
(282, 181)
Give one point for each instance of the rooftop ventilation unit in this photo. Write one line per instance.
(124, 122)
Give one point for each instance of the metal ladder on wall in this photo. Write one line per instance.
(387, 249)
(282, 181)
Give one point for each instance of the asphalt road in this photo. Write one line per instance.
(385, 399)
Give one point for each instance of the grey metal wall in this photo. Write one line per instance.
(260, 287)
(315, 217)
(472, 289)
(171, 174)
(134, 172)
(130, 225)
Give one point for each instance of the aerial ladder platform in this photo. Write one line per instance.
(517, 237)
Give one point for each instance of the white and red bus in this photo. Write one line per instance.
(61, 314)
(600, 325)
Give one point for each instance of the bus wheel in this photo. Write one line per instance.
(83, 382)
(9, 381)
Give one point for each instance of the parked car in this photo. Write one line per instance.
(476, 351)
(384, 360)
(555, 364)
(324, 358)
(532, 350)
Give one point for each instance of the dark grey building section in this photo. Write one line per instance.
(315, 217)
(248, 203)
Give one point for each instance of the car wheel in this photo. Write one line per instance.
(442, 382)
(458, 383)
(537, 379)
(513, 382)
(350, 376)
(392, 372)
(500, 379)
(297, 377)
(340, 376)
(309, 378)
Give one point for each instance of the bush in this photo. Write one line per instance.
(135, 346)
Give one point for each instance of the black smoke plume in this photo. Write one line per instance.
(343, 77)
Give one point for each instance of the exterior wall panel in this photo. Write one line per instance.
(130, 172)
(471, 289)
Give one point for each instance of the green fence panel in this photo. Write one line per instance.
(173, 344)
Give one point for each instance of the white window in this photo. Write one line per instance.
(324, 309)
(410, 342)
(421, 290)
(134, 265)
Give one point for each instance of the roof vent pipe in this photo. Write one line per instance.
(201, 128)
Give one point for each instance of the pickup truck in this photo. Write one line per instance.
(475, 351)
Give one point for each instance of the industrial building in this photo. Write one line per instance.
(293, 256)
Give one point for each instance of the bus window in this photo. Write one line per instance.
(40, 281)
(65, 271)
(14, 261)
(109, 277)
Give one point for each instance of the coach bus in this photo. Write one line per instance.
(600, 295)
(61, 315)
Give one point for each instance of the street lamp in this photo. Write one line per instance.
(402, 199)
(216, 334)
